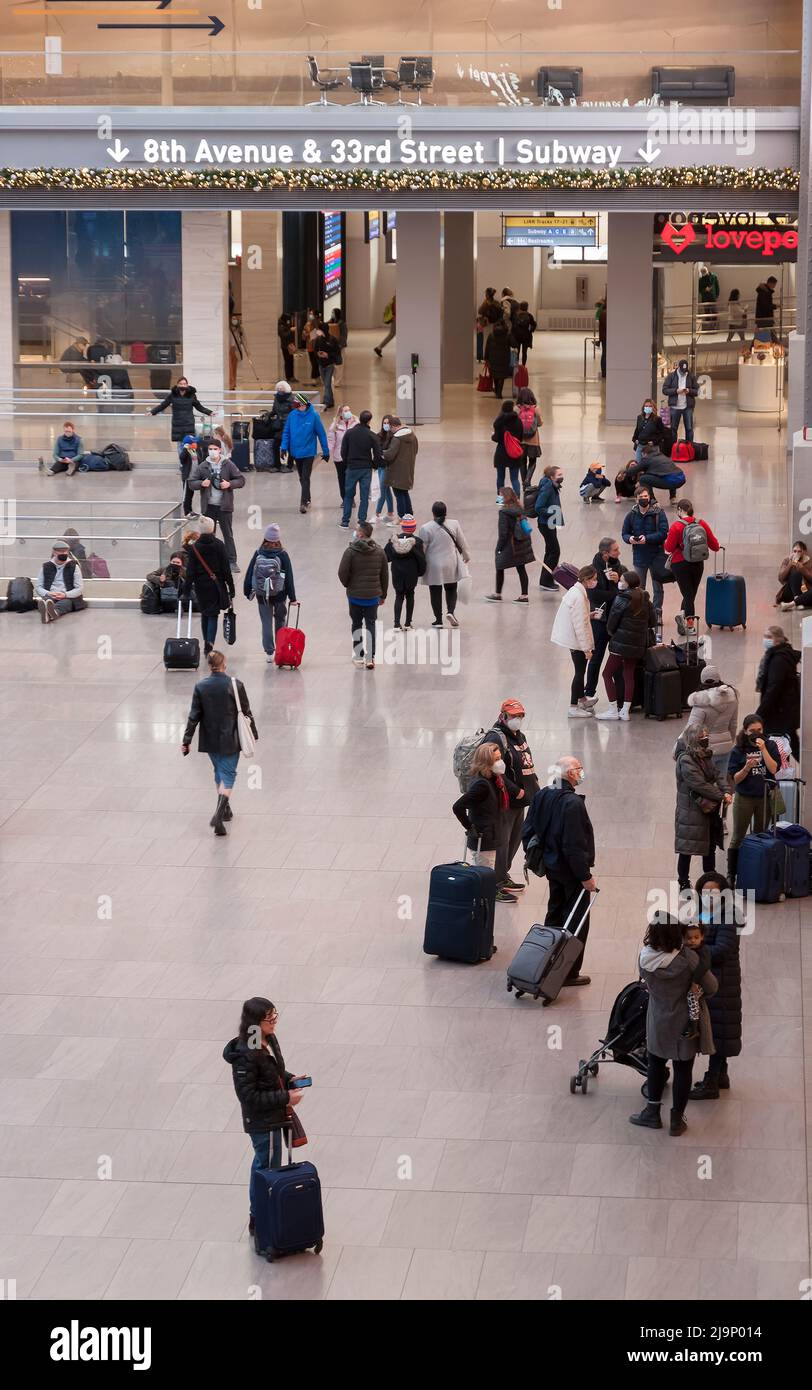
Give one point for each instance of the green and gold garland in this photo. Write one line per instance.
(329, 180)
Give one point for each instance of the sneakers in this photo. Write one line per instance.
(548, 589)
(370, 665)
(502, 896)
(453, 621)
(493, 598)
(625, 712)
(577, 712)
(511, 887)
(438, 622)
(303, 509)
(358, 661)
(269, 659)
(611, 713)
(344, 524)
(589, 701)
(522, 599)
(47, 610)
(787, 607)
(390, 520)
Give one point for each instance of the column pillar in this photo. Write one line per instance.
(8, 318)
(204, 262)
(420, 312)
(459, 296)
(628, 314)
(261, 296)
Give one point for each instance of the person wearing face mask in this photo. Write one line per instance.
(649, 429)
(681, 389)
(550, 517)
(715, 708)
(343, 421)
(209, 575)
(795, 578)
(689, 549)
(700, 798)
(779, 687)
(561, 821)
(365, 575)
(385, 498)
(507, 426)
(514, 548)
(182, 400)
(572, 628)
(508, 733)
(58, 585)
(407, 556)
(360, 452)
(608, 568)
(483, 809)
(753, 764)
(269, 579)
(215, 479)
(721, 919)
(630, 626)
(302, 435)
(645, 529)
(446, 557)
(400, 455)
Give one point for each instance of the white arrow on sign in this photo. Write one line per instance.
(118, 152)
(647, 153)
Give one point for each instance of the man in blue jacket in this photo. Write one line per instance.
(301, 437)
(645, 528)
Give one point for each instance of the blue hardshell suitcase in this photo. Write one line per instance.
(288, 1216)
(460, 913)
(725, 597)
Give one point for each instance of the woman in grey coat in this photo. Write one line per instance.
(669, 971)
(700, 797)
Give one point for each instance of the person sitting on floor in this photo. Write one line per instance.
(58, 585)
(68, 451)
(163, 587)
(795, 578)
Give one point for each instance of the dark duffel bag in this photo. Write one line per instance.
(660, 658)
(94, 463)
(118, 460)
(20, 595)
(150, 601)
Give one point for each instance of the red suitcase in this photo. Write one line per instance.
(290, 642)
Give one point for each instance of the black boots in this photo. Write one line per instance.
(677, 1125)
(706, 1089)
(732, 866)
(219, 816)
(648, 1118)
(228, 814)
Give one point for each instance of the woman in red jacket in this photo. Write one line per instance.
(689, 549)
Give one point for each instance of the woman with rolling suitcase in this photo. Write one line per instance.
(754, 761)
(218, 702)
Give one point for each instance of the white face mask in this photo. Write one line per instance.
(499, 766)
(647, 409)
(766, 643)
(622, 585)
(355, 535)
(387, 426)
(347, 414)
(214, 459)
(581, 775)
(514, 725)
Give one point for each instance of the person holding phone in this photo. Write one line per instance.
(681, 388)
(630, 626)
(264, 1087)
(754, 761)
(608, 569)
(645, 528)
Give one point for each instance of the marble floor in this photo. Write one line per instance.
(454, 1161)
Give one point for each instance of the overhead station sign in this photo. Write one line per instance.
(550, 230)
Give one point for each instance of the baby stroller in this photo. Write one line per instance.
(625, 1037)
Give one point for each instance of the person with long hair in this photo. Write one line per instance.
(208, 572)
(795, 578)
(483, 809)
(630, 626)
(507, 425)
(264, 1087)
(514, 548)
(700, 798)
(572, 628)
(670, 971)
(722, 921)
(385, 498)
(686, 570)
(753, 764)
(446, 550)
(531, 422)
(214, 714)
(343, 420)
(549, 517)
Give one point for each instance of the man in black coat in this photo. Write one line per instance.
(720, 919)
(607, 563)
(560, 817)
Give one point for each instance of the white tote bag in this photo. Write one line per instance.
(244, 730)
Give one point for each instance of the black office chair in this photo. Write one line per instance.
(323, 79)
(423, 76)
(406, 76)
(376, 62)
(362, 80)
(557, 85)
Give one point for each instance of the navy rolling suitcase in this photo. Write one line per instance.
(288, 1216)
(725, 597)
(761, 869)
(796, 841)
(460, 913)
(547, 956)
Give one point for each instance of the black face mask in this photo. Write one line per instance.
(752, 739)
(643, 506)
(60, 559)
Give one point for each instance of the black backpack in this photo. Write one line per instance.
(150, 599)
(118, 460)
(20, 595)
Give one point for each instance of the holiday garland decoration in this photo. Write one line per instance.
(122, 180)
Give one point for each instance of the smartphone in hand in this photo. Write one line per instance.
(299, 1082)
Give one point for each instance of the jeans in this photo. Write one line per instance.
(326, 374)
(688, 574)
(400, 596)
(684, 866)
(385, 499)
(208, 624)
(304, 467)
(513, 469)
(225, 768)
(720, 762)
(686, 414)
(363, 478)
(617, 663)
(267, 1154)
(436, 596)
(403, 501)
(600, 640)
(390, 335)
(363, 616)
(643, 566)
(579, 667)
(272, 617)
(552, 555)
(521, 570)
(224, 521)
(564, 894)
(680, 1083)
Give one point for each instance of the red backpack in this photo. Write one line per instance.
(527, 415)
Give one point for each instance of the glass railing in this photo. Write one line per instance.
(112, 540)
(498, 78)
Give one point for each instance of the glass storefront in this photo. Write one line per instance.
(112, 277)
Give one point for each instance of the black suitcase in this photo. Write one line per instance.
(662, 694)
(460, 913)
(689, 663)
(546, 957)
(182, 653)
(700, 452)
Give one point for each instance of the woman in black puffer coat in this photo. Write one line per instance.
(183, 401)
(717, 913)
(630, 625)
(514, 548)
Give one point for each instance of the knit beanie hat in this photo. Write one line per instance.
(273, 532)
(408, 524)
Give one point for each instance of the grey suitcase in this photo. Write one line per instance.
(546, 957)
